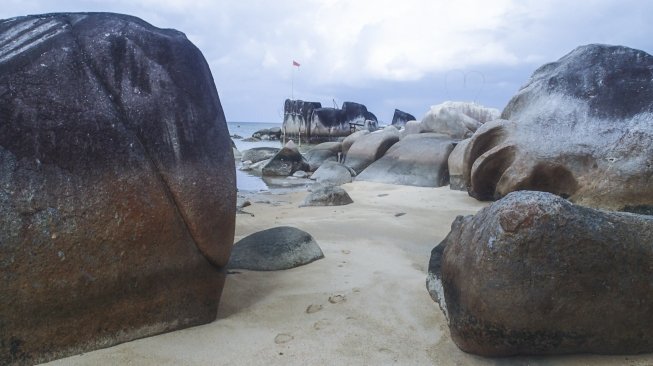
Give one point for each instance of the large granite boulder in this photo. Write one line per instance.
(333, 173)
(117, 184)
(257, 154)
(275, 249)
(417, 160)
(367, 149)
(399, 118)
(297, 116)
(286, 162)
(328, 195)
(581, 128)
(457, 119)
(326, 151)
(456, 164)
(535, 274)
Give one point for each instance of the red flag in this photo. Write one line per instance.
(295, 63)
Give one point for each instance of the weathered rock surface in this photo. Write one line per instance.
(326, 151)
(457, 119)
(273, 133)
(399, 118)
(275, 249)
(411, 128)
(456, 166)
(332, 173)
(297, 116)
(535, 274)
(286, 162)
(581, 128)
(257, 154)
(367, 149)
(328, 195)
(117, 184)
(417, 160)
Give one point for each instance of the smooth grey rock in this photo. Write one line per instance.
(326, 151)
(332, 173)
(349, 140)
(455, 163)
(327, 196)
(580, 128)
(535, 274)
(369, 148)
(275, 249)
(417, 160)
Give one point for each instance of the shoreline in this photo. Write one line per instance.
(365, 303)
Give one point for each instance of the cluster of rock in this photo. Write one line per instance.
(266, 134)
(309, 121)
(117, 187)
(534, 273)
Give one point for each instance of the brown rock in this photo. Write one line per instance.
(535, 274)
(117, 185)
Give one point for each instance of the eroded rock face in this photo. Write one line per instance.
(257, 154)
(417, 160)
(581, 128)
(117, 184)
(459, 120)
(535, 274)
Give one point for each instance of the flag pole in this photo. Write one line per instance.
(292, 84)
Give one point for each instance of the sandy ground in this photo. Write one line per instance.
(365, 303)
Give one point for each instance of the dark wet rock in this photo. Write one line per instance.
(417, 160)
(326, 151)
(455, 163)
(369, 148)
(252, 139)
(400, 118)
(457, 119)
(286, 162)
(275, 249)
(117, 184)
(259, 153)
(332, 173)
(327, 196)
(273, 133)
(535, 274)
(580, 128)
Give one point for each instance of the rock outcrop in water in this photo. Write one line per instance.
(399, 118)
(535, 274)
(117, 184)
(580, 128)
(315, 124)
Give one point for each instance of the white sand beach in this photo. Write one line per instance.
(365, 303)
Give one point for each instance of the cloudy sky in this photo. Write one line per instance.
(386, 54)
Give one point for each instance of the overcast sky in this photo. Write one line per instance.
(386, 54)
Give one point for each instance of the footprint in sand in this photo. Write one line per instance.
(313, 308)
(283, 338)
(336, 299)
(321, 324)
(346, 251)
